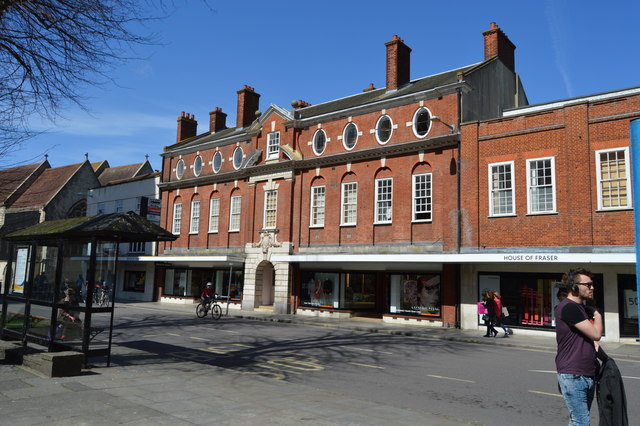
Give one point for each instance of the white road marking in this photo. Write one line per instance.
(450, 378)
(366, 365)
(368, 350)
(546, 393)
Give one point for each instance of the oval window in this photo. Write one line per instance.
(384, 129)
(422, 122)
(217, 161)
(180, 169)
(237, 157)
(197, 166)
(319, 142)
(350, 136)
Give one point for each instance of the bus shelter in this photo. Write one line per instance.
(60, 281)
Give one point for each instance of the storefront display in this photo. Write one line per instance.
(191, 282)
(415, 294)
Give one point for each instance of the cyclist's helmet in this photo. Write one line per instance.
(209, 284)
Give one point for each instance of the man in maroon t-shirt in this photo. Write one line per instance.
(578, 328)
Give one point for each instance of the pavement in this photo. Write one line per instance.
(191, 393)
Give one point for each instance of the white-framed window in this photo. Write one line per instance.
(422, 122)
(101, 208)
(273, 142)
(422, 201)
(180, 169)
(197, 165)
(349, 203)
(614, 179)
(502, 197)
(217, 162)
(541, 184)
(384, 128)
(119, 206)
(238, 156)
(318, 194)
(319, 141)
(177, 218)
(234, 213)
(137, 247)
(384, 192)
(214, 214)
(270, 208)
(194, 224)
(350, 136)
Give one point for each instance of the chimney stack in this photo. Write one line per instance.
(187, 127)
(398, 63)
(248, 104)
(217, 120)
(496, 43)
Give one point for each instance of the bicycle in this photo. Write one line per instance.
(203, 310)
(101, 296)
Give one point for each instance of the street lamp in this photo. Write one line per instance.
(436, 118)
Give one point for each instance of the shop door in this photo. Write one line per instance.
(628, 305)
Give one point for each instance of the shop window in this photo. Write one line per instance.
(628, 305)
(541, 184)
(320, 290)
(359, 291)
(350, 136)
(190, 282)
(613, 179)
(134, 281)
(415, 294)
(501, 184)
(383, 208)
(317, 205)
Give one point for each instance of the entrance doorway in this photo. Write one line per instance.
(265, 283)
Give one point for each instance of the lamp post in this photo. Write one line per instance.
(635, 184)
(438, 119)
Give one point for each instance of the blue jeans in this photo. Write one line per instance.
(578, 394)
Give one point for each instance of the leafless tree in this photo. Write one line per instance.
(50, 50)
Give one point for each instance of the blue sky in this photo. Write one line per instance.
(320, 51)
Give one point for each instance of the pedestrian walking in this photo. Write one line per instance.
(578, 330)
(490, 306)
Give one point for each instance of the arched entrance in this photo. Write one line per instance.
(265, 285)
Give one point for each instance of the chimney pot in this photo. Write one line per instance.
(187, 127)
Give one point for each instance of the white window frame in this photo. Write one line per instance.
(194, 223)
(318, 203)
(180, 169)
(235, 209)
(273, 142)
(197, 170)
(492, 207)
(532, 186)
(270, 209)
(313, 142)
(627, 179)
(349, 204)
(177, 218)
(214, 215)
(415, 122)
(218, 154)
(344, 135)
(382, 199)
(428, 197)
(137, 247)
(235, 151)
(377, 129)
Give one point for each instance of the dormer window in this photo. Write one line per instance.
(422, 122)
(273, 142)
(319, 142)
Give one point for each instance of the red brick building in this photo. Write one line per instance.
(380, 203)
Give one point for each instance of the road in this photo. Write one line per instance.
(479, 384)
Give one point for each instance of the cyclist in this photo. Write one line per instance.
(208, 293)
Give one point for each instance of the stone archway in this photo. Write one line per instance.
(265, 284)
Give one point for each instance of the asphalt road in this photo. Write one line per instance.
(475, 383)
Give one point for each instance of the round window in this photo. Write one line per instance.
(384, 129)
(237, 157)
(319, 142)
(350, 136)
(180, 169)
(422, 122)
(217, 161)
(197, 166)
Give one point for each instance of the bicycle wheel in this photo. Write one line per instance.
(104, 300)
(216, 311)
(201, 310)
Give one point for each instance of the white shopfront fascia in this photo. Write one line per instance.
(577, 258)
(225, 260)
